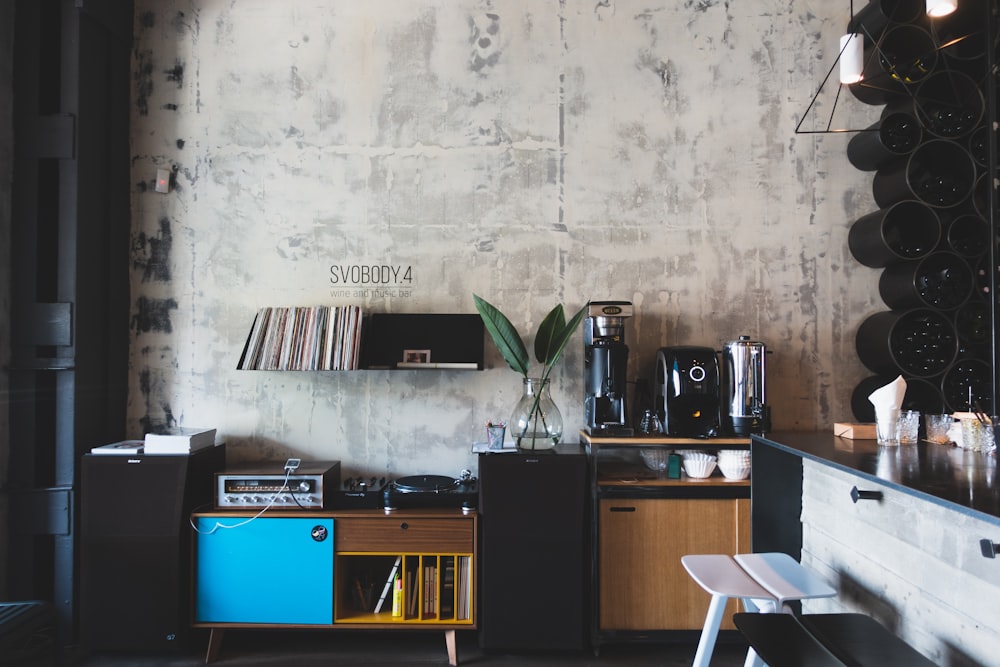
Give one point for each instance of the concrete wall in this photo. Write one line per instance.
(532, 153)
(914, 566)
(6, 176)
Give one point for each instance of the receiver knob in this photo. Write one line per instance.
(303, 485)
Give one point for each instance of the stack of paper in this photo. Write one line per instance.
(123, 448)
(179, 441)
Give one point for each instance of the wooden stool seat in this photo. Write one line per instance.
(826, 640)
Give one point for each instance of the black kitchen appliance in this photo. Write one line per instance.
(422, 491)
(687, 391)
(605, 368)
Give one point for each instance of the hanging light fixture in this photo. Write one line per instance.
(938, 8)
(851, 60)
(852, 55)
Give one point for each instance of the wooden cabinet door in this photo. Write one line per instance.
(643, 585)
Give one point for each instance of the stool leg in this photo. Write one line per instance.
(709, 633)
(752, 659)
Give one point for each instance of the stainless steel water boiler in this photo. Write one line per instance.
(744, 388)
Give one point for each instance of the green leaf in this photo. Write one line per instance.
(504, 335)
(561, 338)
(551, 326)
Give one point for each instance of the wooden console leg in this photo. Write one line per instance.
(214, 644)
(449, 640)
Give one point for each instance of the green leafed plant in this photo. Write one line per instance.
(550, 340)
(553, 334)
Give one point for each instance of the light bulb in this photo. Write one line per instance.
(937, 8)
(852, 55)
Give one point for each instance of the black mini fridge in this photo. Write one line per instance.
(533, 555)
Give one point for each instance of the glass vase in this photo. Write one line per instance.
(536, 422)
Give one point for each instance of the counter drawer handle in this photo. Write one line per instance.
(989, 547)
(404, 525)
(622, 509)
(857, 495)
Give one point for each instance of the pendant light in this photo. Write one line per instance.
(852, 55)
(938, 8)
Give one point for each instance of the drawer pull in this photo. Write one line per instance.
(857, 495)
(989, 548)
(404, 525)
(622, 509)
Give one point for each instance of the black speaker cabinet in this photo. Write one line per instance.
(135, 552)
(533, 556)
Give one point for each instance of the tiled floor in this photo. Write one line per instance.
(381, 649)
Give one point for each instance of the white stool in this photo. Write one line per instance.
(764, 582)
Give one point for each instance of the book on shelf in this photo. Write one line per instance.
(412, 591)
(123, 448)
(463, 586)
(388, 585)
(446, 603)
(182, 440)
(430, 590)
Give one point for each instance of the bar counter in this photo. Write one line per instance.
(943, 474)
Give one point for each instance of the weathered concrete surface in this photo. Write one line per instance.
(913, 565)
(532, 153)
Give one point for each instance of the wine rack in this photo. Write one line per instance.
(932, 227)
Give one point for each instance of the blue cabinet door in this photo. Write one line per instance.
(264, 570)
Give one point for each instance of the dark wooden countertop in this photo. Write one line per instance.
(943, 474)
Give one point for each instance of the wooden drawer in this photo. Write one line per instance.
(405, 534)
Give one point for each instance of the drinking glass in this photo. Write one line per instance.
(977, 436)
(937, 428)
(909, 427)
(887, 427)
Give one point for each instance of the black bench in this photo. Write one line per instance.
(826, 640)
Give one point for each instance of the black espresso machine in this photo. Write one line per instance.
(605, 368)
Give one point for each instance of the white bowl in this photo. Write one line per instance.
(734, 469)
(699, 469)
(735, 453)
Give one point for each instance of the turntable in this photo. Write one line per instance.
(423, 491)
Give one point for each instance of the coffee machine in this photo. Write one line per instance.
(687, 391)
(745, 399)
(605, 368)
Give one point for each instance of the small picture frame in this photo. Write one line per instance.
(416, 356)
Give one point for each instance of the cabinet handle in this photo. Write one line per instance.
(404, 525)
(622, 509)
(989, 548)
(857, 495)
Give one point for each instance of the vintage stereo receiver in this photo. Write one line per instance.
(307, 485)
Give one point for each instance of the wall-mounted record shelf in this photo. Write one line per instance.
(334, 338)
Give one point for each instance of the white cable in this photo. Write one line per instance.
(270, 502)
